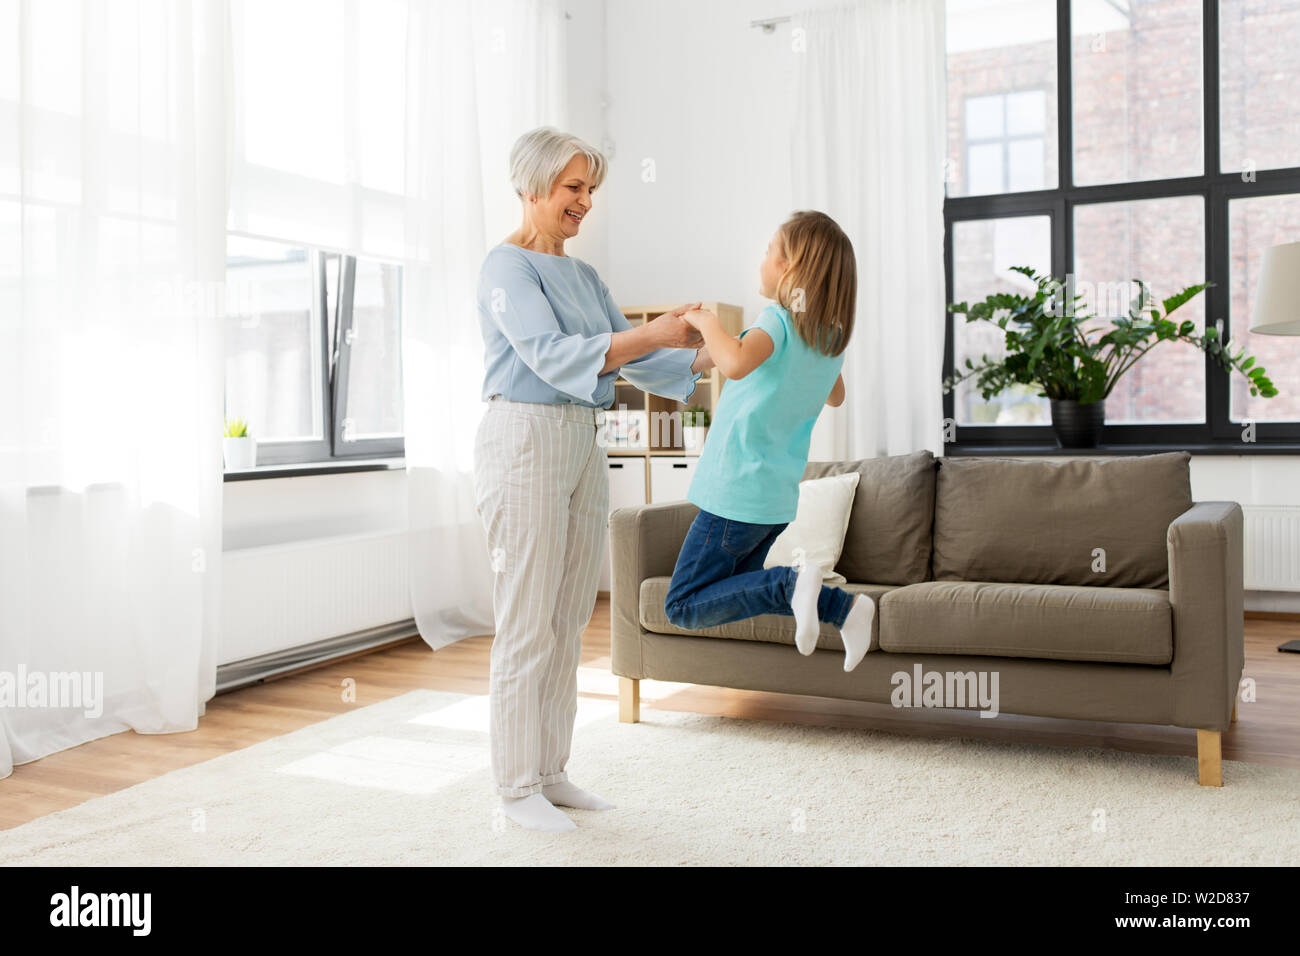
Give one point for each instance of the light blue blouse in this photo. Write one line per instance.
(547, 321)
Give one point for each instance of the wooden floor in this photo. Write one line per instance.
(1267, 731)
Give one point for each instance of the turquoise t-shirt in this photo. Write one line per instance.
(757, 446)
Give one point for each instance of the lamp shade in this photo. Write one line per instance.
(1277, 297)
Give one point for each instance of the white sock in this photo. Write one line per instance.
(856, 632)
(565, 794)
(535, 812)
(807, 589)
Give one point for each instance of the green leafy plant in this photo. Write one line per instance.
(1054, 343)
(695, 416)
(236, 428)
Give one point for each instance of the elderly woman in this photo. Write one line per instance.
(555, 342)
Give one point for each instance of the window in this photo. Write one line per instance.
(1162, 242)
(313, 352)
(1001, 96)
(1113, 139)
(983, 250)
(1004, 142)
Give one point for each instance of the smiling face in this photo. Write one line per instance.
(561, 213)
(773, 267)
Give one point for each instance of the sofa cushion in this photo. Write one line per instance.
(888, 541)
(819, 525)
(769, 628)
(1041, 522)
(1052, 622)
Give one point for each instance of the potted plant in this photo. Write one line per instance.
(695, 426)
(1075, 359)
(239, 450)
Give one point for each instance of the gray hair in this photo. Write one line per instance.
(540, 155)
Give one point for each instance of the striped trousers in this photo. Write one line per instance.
(542, 489)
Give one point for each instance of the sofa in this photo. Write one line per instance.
(1090, 589)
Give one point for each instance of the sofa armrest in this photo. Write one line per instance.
(1206, 591)
(644, 542)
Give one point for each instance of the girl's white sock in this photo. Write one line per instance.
(856, 632)
(807, 589)
(535, 812)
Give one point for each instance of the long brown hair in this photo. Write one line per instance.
(820, 285)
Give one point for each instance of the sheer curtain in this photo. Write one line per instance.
(868, 149)
(112, 206)
(384, 131)
(504, 76)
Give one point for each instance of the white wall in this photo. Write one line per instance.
(705, 97)
(586, 85)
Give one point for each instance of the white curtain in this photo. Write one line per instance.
(113, 168)
(384, 131)
(504, 75)
(868, 148)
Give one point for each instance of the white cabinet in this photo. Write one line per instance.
(670, 477)
(626, 488)
(626, 482)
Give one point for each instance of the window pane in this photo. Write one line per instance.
(984, 117)
(1259, 68)
(985, 168)
(1137, 90)
(291, 62)
(374, 406)
(996, 48)
(983, 250)
(1255, 225)
(273, 342)
(1026, 112)
(1025, 164)
(1161, 242)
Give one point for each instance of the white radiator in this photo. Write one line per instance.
(281, 596)
(1272, 544)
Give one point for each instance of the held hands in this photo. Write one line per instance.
(696, 317)
(674, 331)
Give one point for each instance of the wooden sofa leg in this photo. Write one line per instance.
(629, 700)
(1209, 758)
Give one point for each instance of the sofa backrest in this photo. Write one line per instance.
(888, 539)
(1042, 522)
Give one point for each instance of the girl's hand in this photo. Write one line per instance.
(695, 317)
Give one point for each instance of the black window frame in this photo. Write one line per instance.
(1218, 433)
(334, 367)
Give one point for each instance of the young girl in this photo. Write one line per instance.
(783, 369)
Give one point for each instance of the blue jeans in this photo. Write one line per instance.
(720, 577)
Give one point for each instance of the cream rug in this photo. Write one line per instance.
(406, 782)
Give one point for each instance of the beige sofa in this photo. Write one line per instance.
(1093, 589)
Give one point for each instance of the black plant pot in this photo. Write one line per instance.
(1076, 425)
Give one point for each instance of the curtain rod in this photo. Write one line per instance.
(769, 25)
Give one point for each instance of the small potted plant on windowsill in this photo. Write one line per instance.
(695, 426)
(239, 450)
(1076, 359)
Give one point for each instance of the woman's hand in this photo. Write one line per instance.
(672, 331)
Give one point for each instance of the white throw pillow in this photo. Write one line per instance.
(819, 525)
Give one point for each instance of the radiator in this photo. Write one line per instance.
(282, 596)
(1272, 545)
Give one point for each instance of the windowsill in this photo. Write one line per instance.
(1011, 449)
(303, 469)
